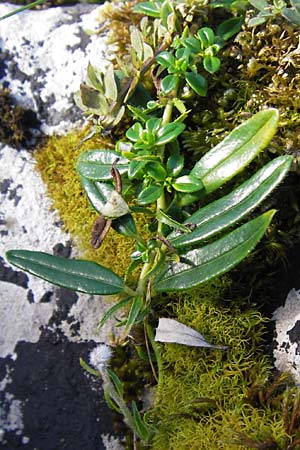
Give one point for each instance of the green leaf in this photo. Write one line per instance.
(93, 100)
(259, 4)
(206, 36)
(141, 427)
(88, 368)
(22, 8)
(211, 63)
(175, 165)
(169, 132)
(111, 311)
(164, 218)
(116, 381)
(197, 82)
(165, 11)
(134, 133)
(98, 193)
(136, 169)
(237, 150)
(228, 210)
(291, 15)
(192, 43)
(150, 194)
(76, 274)
(135, 309)
(125, 225)
(94, 79)
(255, 21)
(230, 27)
(111, 91)
(169, 83)
(148, 8)
(96, 164)
(156, 170)
(200, 265)
(166, 59)
(187, 183)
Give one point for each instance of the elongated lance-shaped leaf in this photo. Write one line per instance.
(111, 311)
(237, 150)
(96, 164)
(79, 275)
(135, 310)
(231, 208)
(200, 265)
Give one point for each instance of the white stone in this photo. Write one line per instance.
(45, 65)
(287, 325)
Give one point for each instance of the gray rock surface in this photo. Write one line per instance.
(46, 400)
(287, 335)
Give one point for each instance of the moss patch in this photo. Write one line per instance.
(206, 398)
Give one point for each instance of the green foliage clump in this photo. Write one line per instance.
(203, 399)
(56, 160)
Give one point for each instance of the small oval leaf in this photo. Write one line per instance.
(150, 194)
(187, 183)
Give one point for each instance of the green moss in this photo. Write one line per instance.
(56, 161)
(205, 399)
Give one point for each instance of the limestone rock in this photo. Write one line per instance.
(47, 401)
(287, 335)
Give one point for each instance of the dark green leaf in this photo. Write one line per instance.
(169, 132)
(193, 44)
(156, 170)
(230, 209)
(111, 311)
(76, 274)
(169, 83)
(164, 218)
(237, 150)
(206, 36)
(230, 27)
(203, 264)
(175, 165)
(136, 169)
(187, 183)
(197, 82)
(135, 309)
(97, 164)
(141, 428)
(125, 225)
(211, 63)
(150, 194)
(116, 381)
(165, 59)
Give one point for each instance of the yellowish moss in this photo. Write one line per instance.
(56, 162)
(203, 398)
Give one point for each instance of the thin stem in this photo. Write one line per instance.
(23, 8)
